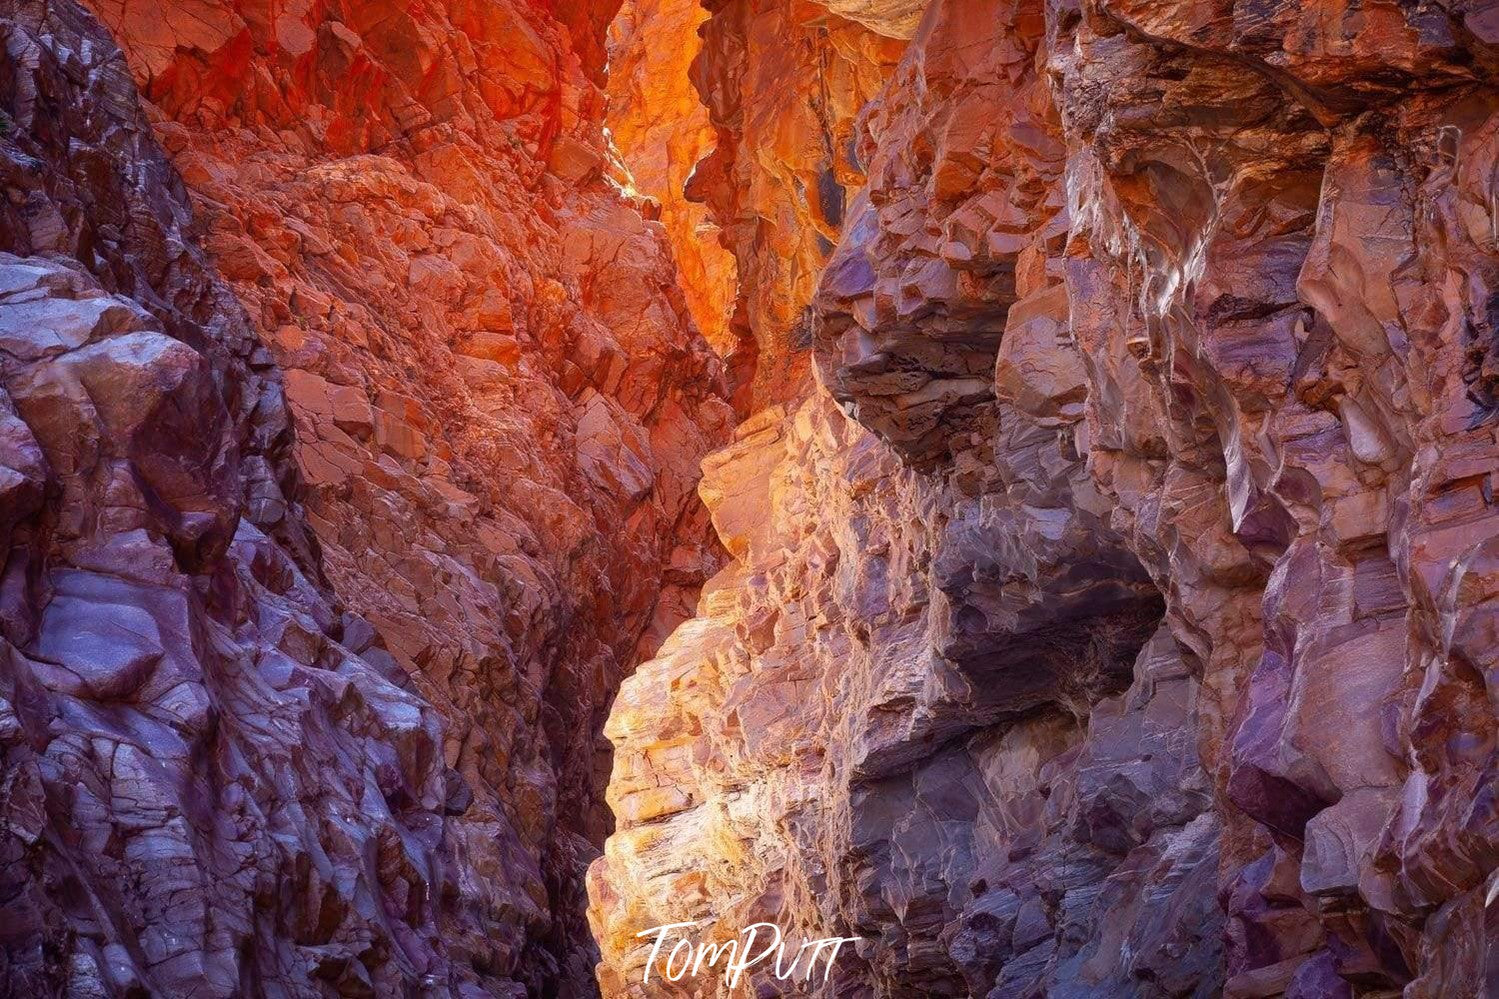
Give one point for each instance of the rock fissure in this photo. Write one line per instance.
(1038, 453)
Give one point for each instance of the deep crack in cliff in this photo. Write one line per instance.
(1091, 588)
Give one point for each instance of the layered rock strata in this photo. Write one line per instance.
(1205, 290)
(327, 543)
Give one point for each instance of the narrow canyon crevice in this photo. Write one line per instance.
(1024, 466)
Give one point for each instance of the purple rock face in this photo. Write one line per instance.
(212, 781)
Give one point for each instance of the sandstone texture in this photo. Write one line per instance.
(1114, 615)
(341, 483)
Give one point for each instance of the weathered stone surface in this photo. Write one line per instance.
(1238, 264)
(661, 129)
(1111, 599)
(1276, 276)
(963, 207)
(891, 654)
(220, 777)
(499, 402)
(213, 780)
(892, 18)
(783, 83)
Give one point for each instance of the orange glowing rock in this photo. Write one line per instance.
(661, 129)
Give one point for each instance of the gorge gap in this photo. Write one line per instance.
(1091, 407)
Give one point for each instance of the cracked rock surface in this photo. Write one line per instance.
(1158, 339)
(349, 445)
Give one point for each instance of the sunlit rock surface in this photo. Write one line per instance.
(783, 83)
(661, 130)
(1227, 274)
(835, 742)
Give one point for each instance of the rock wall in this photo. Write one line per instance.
(1127, 632)
(881, 716)
(1109, 605)
(1283, 309)
(326, 543)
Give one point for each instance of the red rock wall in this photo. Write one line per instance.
(215, 779)
(1134, 291)
(448, 390)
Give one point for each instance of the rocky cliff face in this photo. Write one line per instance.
(1109, 599)
(1127, 632)
(341, 484)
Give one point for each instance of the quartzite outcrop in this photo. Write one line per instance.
(351, 423)
(1116, 616)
